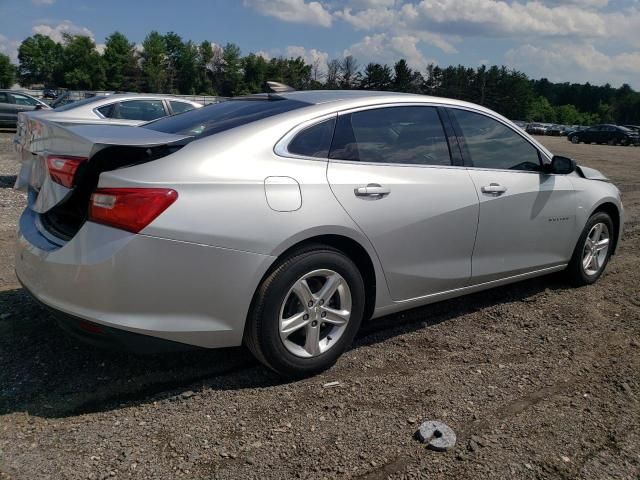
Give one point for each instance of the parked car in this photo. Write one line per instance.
(610, 134)
(536, 129)
(555, 130)
(121, 109)
(520, 124)
(50, 93)
(12, 103)
(283, 221)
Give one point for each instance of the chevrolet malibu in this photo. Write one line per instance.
(283, 222)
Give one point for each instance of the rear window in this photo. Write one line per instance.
(79, 103)
(223, 116)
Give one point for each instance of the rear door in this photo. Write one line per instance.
(391, 169)
(8, 114)
(527, 218)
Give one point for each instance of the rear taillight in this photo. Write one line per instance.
(62, 169)
(130, 209)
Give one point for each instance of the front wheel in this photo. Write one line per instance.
(593, 250)
(306, 312)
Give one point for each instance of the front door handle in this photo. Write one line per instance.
(372, 190)
(494, 189)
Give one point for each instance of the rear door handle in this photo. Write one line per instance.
(372, 190)
(494, 189)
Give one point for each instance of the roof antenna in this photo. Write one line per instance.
(277, 87)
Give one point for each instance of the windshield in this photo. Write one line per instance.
(79, 103)
(219, 117)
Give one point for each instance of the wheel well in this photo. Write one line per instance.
(355, 252)
(611, 210)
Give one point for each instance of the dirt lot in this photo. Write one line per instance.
(538, 380)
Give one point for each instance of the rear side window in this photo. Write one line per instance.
(145, 110)
(491, 144)
(402, 135)
(314, 141)
(180, 107)
(220, 117)
(4, 98)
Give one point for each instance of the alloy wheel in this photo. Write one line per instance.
(315, 313)
(596, 248)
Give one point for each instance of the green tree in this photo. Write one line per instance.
(7, 72)
(205, 68)
(174, 50)
(540, 110)
(188, 68)
(82, 64)
(121, 64)
(377, 77)
(349, 75)
(154, 54)
(231, 81)
(40, 61)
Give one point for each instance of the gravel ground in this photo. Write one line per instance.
(537, 379)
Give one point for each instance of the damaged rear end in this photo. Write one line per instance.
(60, 169)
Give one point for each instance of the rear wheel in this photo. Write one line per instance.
(575, 139)
(306, 312)
(593, 250)
(611, 141)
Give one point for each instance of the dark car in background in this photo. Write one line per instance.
(635, 128)
(556, 130)
(536, 129)
(609, 134)
(12, 102)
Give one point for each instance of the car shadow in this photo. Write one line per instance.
(47, 373)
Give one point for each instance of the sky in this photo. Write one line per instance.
(563, 40)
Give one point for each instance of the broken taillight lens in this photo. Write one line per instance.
(62, 168)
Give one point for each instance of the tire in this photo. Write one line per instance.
(580, 274)
(623, 142)
(575, 140)
(611, 141)
(276, 302)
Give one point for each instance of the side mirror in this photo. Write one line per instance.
(560, 165)
(39, 107)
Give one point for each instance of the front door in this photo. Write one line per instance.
(527, 217)
(391, 170)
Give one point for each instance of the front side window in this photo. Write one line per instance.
(180, 107)
(400, 135)
(490, 144)
(314, 141)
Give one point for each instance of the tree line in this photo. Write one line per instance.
(168, 64)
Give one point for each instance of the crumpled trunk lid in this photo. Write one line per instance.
(37, 137)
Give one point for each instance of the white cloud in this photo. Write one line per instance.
(383, 48)
(43, 2)
(311, 56)
(368, 19)
(296, 11)
(576, 62)
(9, 48)
(55, 32)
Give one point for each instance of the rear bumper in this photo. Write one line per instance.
(183, 292)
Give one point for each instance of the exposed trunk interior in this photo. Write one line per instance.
(65, 219)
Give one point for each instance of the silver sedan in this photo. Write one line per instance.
(283, 222)
(119, 109)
